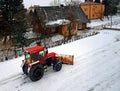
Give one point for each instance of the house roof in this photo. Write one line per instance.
(90, 3)
(54, 13)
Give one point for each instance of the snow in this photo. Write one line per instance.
(115, 26)
(98, 24)
(58, 22)
(92, 43)
(57, 38)
(30, 34)
(10, 68)
(96, 67)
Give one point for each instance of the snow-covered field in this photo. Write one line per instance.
(115, 26)
(96, 67)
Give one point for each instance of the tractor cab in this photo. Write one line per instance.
(35, 54)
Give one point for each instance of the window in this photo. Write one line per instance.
(87, 16)
(93, 9)
(85, 9)
(34, 57)
(41, 54)
(71, 28)
(27, 56)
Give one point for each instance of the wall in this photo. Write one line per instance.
(73, 27)
(93, 10)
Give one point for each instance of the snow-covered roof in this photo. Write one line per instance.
(58, 22)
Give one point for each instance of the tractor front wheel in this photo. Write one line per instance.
(36, 72)
(25, 69)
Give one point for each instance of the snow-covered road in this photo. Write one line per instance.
(96, 68)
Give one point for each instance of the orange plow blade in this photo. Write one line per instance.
(66, 59)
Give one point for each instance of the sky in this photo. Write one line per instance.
(28, 3)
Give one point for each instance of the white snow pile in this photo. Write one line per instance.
(96, 68)
(57, 37)
(30, 34)
(58, 22)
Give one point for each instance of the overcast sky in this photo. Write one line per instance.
(28, 3)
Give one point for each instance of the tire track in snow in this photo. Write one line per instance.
(12, 78)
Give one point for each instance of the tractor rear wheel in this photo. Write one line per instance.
(57, 66)
(36, 72)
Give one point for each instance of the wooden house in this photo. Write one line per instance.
(62, 19)
(93, 10)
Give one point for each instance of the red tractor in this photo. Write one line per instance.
(36, 59)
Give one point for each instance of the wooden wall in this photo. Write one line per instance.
(70, 29)
(93, 10)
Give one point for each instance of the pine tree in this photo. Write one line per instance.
(13, 22)
(105, 2)
(110, 7)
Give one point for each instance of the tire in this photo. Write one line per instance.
(49, 61)
(57, 66)
(36, 72)
(25, 69)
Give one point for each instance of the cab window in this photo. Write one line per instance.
(34, 57)
(41, 54)
(27, 56)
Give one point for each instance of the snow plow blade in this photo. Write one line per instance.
(66, 59)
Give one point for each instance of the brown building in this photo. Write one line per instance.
(93, 10)
(62, 19)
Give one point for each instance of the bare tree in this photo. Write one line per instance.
(66, 2)
(72, 2)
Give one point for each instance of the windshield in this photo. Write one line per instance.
(33, 58)
(27, 56)
(41, 54)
